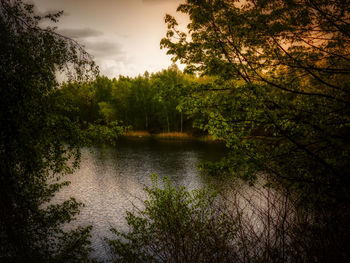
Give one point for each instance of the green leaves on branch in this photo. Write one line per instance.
(279, 97)
(38, 144)
(176, 226)
(101, 134)
(281, 94)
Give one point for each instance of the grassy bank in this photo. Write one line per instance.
(181, 136)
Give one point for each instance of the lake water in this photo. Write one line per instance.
(111, 179)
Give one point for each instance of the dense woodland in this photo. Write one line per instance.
(274, 85)
(150, 102)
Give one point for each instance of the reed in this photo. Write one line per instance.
(173, 135)
(168, 136)
(138, 134)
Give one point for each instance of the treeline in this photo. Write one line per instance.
(147, 102)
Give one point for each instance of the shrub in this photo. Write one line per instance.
(176, 225)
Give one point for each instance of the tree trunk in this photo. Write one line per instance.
(181, 122)
(146, 122)
(167, 120)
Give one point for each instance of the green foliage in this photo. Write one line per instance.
(146, 102)
(279, 97)
(101, 134)
(107, 111)
(176, 226)
(37, 144)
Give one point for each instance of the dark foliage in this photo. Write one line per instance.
(280, 101)
(37, 145)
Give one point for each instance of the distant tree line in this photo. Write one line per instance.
(149, 102)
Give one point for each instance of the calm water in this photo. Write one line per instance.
(111, 180)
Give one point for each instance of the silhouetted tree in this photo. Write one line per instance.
(36, 142)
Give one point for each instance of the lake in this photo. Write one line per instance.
(111, 179)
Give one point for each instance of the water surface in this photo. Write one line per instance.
(111, 179)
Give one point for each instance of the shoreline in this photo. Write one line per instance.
(177, 136)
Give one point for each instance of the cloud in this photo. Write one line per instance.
(51, 12)
(103, 46)
(80, 32)
(105, 49)
(158, 1)
(114, 68)
(121, 35)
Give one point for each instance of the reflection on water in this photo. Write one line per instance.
(111, 180)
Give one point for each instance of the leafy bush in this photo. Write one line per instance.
(176, 225)
(100, 133)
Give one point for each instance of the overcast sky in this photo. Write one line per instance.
(122, 35)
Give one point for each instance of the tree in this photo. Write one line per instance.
(280, 98)
(169, 85)
(142, 96)
(36, 142)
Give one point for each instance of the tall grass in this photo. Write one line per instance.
(167, 136)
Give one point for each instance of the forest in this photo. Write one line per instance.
(145, 103)
(271, 79)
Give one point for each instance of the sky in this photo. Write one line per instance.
(122, 35)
